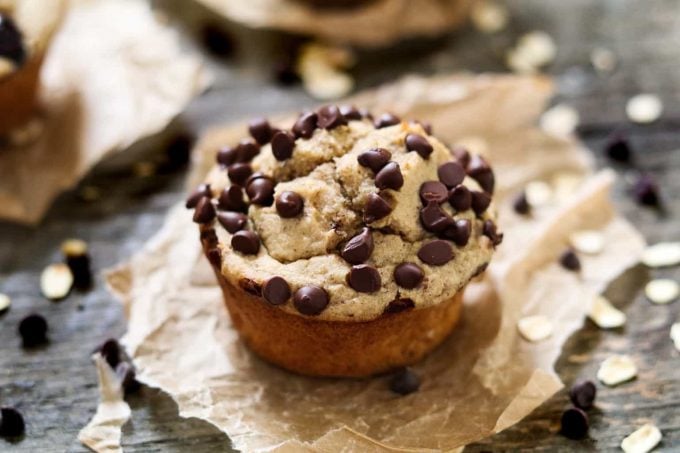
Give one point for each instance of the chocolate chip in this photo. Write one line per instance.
(480, 201)
(374, 158)
(261, 191)
(305, 125)
(359, 248)
(260, 130)
(178, 151)
(239, 172)
(389, 177)
(404, 381)
(217, 40)
(570, 261)
(283, 144)
(329, 117)
(435, 253)
(227, 156)
(205, 211)
(11, 41)
(479, 170)
(434, 219)
(460, 232)
(289, 204)
(462, 156)
(399, 305)
(11, 421)
(433, 191)
(385, 120)
(80, 268)
(376, 208)
(583, 394)
(128, 377)
(110, 351)
(460, 198)
(489, 230)
(201, 191)
(350, 112)
(232, 221)
(646, 191)
(419, 144)
(574, 423)
(521, 205)
(246, 150)
(276, 291)
(617, 148)
(364, 278)
(246, 242)
(33, 330)
(310, 300)
(254, 176)
(408, 275)
(231, 199)
(451, 174)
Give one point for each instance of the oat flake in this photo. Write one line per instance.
(644, 439)
(605, 315)
(662, 290)
(590, 242)
(644, 108)
(662, 254)
(617, 369)
(535, 328)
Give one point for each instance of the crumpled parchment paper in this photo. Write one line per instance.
(378, 23)
(113, 75)
(483, 379)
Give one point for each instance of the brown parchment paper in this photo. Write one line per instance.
(113, 75)
(378, 23)
(483, 379)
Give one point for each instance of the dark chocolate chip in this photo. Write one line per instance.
(521, 205)
(359, 248)
(201, 191)
(214, 257)
(434, 219)
(433, 191)
(329, 117)
(386, 119)
(217, 40)
(583, 394)
(80, 268)
(239, 172)
(389, 177)
(490, 230)
(11, 423)
(310, 300)
(231, 199)
(435, 253)
(261, 191)
(250, 286)
(460, 232)
(110, 351)
(205, 211)
(408, 275)
(399, 305)
(232, 221)
(480, 201)
(254, 176)
(246, 150)
(646, 191)
(374, 158)
(305, 125)
(376, 208)
(260, 130)
(451, 174)
(128, 377)
(570, 261)
(419, 144)
(283, 143)
(289, 204)
(33, 330)
(404, 381)
(618, 148)
(227, 156)
(479, 170)
(178, 151)
(11, 41)
(460, 198)
(246, 242)
(462, 155)
(350, 112)
(574, 423)
(364, 278)
(276, 291)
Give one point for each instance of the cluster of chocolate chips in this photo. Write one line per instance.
(574, 421)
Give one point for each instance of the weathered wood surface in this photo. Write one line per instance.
(55, 387)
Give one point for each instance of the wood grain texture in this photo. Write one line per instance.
(55, 387)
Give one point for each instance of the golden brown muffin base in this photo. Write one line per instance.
(18, 95)
(334, 348)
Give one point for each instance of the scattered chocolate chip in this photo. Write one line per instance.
(260, 130)
(261, 191)
(246, 150)
(491, 231)
(231, 199)
(521, 205)
(178, 151)
(350, 112)
(283, 143)
(285, 72)
(385, 120)
(232, 221)
(569, 260)
(364, 278)
(110, 351)
(289, 204)
(246, 242)
(408, 275)
(451, 174)
(480, 201)
(11, 421)
(227, 156)
(376, 208)
(404, 381)
(617, 148)
(646, 191)
(389, 177)
(435, 253)
(583, 394)
(205, 211)
(419, 144)
(479, 170)
(217, 40)
(11, 41)
(276, 291)
(78, 260)
(329, 117)
(214, 257)
(399, 305)
(460, 232)
(250, 286)
(310, 300)
(374, 158)
(33, 330)
(201, 191)
(460, 198)
(462, 156)
(305, 125)
(433, 191)
(359, 248)
(128, 377)
(239, 172)
(434, 219)
(574, 423)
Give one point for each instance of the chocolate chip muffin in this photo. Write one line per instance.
(343, 243)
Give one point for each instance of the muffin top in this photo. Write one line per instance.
(346, 216)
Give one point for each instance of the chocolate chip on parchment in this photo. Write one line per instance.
(408, 275)
(305, 125)
(398, 305)
(436, 253)
(246, 150)
(260, 130)
(33, 330)
(364, 278)
(460, 232)
(376, 208)
(110, 351)
(433, 191)
(419, 144)
(205, 211)
(329, 117)
(389, 177)
(239, 172)
(434, 219)
(404, 381)
(521, 204)
(646, 191)
(490, 230)
(480, 201)
(11, 41)
(227, 156)
(574, 423)
(385, 120)
(261, 191)
(231, 199)
(350, 112)
(246, 242)
(479, 170)
(359, 248)
(460, 198)
(583, 394)
(276, 291)
(451, 174)
(128, 377)
(201, 191)
(232, 221)
(310, 300)
(283, 143)
(462, 155)
(569, 260)
(374, 158)
(289, 204)
(11, 423)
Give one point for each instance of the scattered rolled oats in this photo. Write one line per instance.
(605, 315)
(5, 302)
(321, 68)
(617, 369)
(590, 242)
(538, 193)
(560, 120)
(56, 281)
(532, 51)
(663, 254)
(644, 439)
(644, 108)
(489, 16)
(675, 335)
(603, 60)
(535, 328)
(662, 290)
